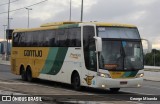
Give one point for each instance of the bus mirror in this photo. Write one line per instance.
(98, 43)
(148, 44)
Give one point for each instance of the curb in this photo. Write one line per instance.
(152, 70)
(152, 79)
(5, 62)
(4, 92)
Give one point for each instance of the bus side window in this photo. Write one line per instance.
(29, 38)
(22, 40)
(45, 38)
(15, 39)
(70, 38)
(62, 37)
(78, 37)
(56, 42)
(74, 37)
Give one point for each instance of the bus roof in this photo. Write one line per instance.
(67, 24)
(113, 24)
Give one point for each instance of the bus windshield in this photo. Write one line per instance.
(121, 52)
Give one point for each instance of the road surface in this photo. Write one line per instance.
(13, 83)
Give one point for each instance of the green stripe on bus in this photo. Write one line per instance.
(130, 74)
(58, 61)
(134, 73)
(49, 61)
(126, 74)
(54, 60)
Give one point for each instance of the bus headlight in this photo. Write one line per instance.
(103, 75)
(139, 75)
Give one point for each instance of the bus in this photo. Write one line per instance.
(91, 54)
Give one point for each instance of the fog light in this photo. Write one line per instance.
(103, 86)
(138, 85)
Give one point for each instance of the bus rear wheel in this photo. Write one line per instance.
(76, 81)
(114, 89)
(29, 74)
(23, 74)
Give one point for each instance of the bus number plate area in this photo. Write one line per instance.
(123, 82)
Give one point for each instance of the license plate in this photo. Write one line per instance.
(123, 82)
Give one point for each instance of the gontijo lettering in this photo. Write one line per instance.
(33, 53)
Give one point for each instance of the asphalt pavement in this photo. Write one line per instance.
(9, 79)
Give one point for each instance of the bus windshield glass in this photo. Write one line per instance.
(121, 49)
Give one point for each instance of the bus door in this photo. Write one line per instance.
(90, 56)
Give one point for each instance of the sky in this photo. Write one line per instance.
(142, 13)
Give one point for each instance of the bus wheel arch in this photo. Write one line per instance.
(75, 80)
(23, 73)
(29, 73)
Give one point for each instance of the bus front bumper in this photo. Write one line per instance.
(118, 83)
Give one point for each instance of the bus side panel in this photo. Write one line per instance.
(73, 61)
(33, 57)
(53, 63)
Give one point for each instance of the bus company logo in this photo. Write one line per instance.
(6, 98)
(75, 56)
(33, 53)
(88, 79)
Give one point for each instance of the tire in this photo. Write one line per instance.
(76, 82)
(29, 74)
(114, 89)
(23, 74)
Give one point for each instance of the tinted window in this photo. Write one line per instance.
(74, 37)
(29, 39)
(118, 32)
(22, 40)
(89, 48)
(62, 37)
(48, 38)
(16, 37)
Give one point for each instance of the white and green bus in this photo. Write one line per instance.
(92, 54)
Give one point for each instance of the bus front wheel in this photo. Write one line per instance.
(76, 81)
